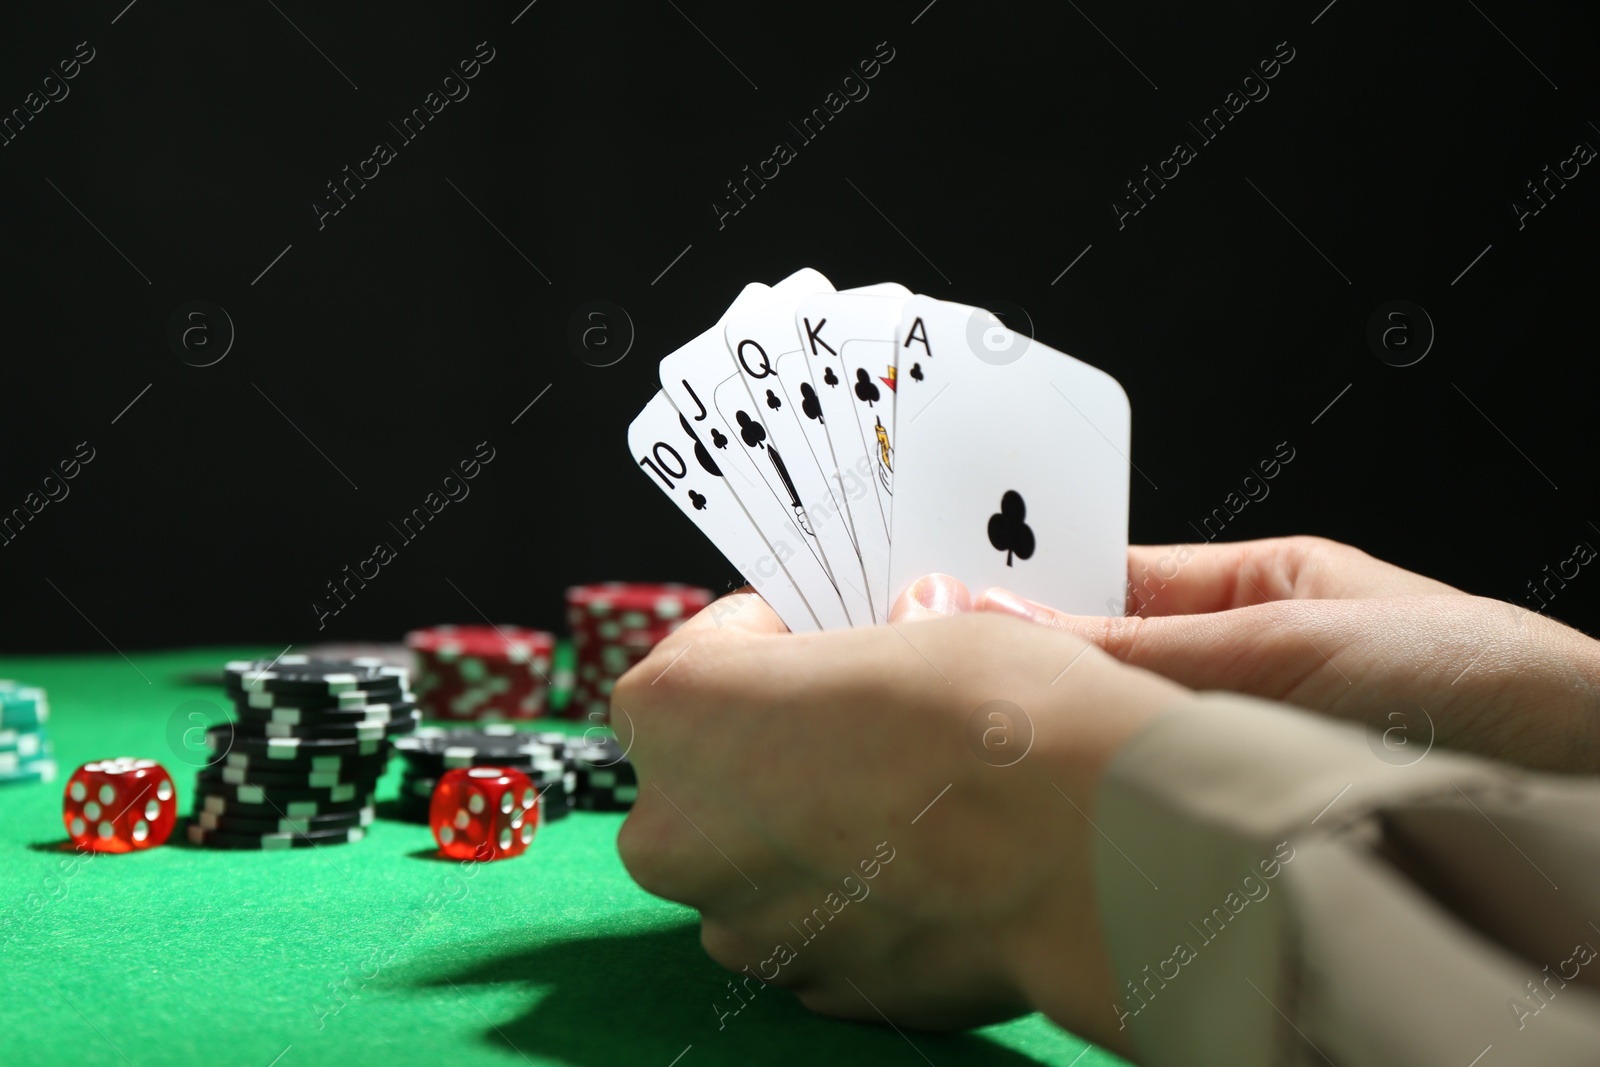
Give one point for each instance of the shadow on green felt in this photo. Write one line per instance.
(431, 853)
(63, 845)
(640, 998)
(389, 809)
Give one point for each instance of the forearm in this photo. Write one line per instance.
(1244, 879)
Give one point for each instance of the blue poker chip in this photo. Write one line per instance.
(29, 772)
(23, 744)
(41, 752)
(22, 707)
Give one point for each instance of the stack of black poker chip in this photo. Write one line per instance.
(299, 764)
(606, 779)
(431, 751)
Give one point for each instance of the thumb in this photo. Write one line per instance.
(933, 596)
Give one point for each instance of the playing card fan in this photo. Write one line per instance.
(837, 445)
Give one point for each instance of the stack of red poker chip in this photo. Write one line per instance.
(615, 625)
(481, 672)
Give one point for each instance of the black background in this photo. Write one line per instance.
(379, 350)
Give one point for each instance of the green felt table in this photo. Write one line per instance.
(374, 952)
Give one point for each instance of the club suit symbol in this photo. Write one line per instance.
(772, 400)
(865, 389)
(1007, 530)
(718, 438)
(752, 431)
(698, 500)
(916, 371)
(702, 456)
(829, 378)
(809, 402)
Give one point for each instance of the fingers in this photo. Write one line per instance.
(1196, 579)
(931, 597)
(1005, 602)
(1262, 649)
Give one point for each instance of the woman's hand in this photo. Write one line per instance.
(857, 821)
(1327, 627)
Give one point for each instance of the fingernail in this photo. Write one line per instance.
(1010, 604)
(941, 594)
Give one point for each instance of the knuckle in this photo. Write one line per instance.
(823, 998)
(1309, 550)
(646, 856)
(1291, 564)
(1120, 636)
(724, 944)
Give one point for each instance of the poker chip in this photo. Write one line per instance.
(22, 707)
(318, 717)
(345, 700)
(595, 797)
(347, 768)
(301, 761)
(41, 752)
(280, 783)
(227, 739)
(270, 842)
(23, 744)
(545, 757)
(311, 677)
(26, 755)
(589, 772)
(412, 809)
(292, 778)
(596, 746)
(557, 795)
(562, 676)
(355, 730)
(436, 748)
(277, 795)
(615, 625)
(394, 654)
(42, 770)
(257, 766)
(636, 604)
(232, 823)
(218, 804)
(606, 780)
(482, 672)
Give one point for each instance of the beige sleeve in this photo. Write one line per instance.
(1276, 889)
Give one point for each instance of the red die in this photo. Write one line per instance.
(485, 813)
(120, 805)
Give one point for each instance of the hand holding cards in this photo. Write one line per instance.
(836, 446)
